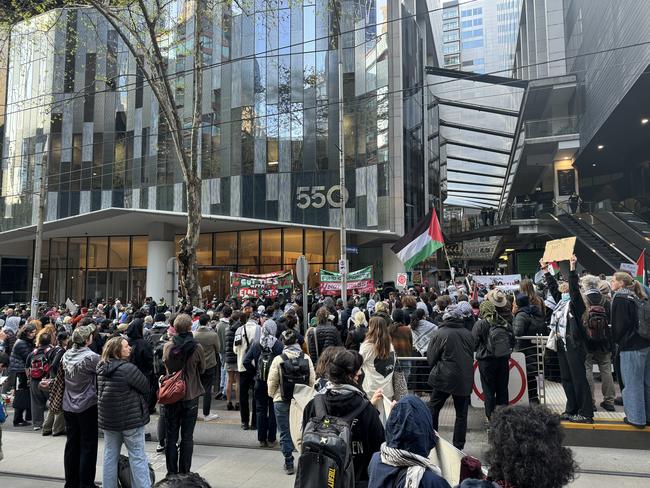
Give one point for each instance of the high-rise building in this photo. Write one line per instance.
(269, 156)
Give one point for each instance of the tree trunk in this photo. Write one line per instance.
(188, 266)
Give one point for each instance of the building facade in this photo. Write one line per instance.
(269, 150)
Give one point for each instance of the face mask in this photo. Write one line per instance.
(566, 297)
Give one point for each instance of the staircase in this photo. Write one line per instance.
(637, 223)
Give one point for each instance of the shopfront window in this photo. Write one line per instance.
(139, 251)
(292, 239)
(204, 251)
(249, 242)
(77, 253)
(225, 248)
(97, 252)
(119, 253)
(271, 242)
(314, 246)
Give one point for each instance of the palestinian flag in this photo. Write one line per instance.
(420, 242)
(640, 268)
(553, 268)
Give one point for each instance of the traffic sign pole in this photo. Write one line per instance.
(302, 273)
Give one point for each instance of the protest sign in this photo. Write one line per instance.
(502, 282)
(360, 281)
(261, 285)
(559, 249)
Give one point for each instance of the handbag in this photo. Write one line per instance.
(57, 388)
(400, 387)
(172, 388)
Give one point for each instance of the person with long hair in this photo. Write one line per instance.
(343, 396)
(17, 365)
(357, 331)
(634, 349)
(38, 366)
(232, 368)
(54, 424)
(324, 335)
(122, 391)
(527, 287)
(421, 329)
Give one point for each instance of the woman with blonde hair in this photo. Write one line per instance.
(634, 349)
(357, 331)
(122, 412)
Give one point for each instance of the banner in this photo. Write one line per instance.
(262, 285)
(360, 281)
(502, 282)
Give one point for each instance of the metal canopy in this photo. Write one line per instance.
(477, 120)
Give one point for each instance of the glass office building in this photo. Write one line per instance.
(269, 149)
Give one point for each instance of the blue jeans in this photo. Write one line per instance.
(635, 368)
(282, 419)
(138, 462)
(224, 375)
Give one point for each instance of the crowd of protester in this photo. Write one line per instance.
(109, 366)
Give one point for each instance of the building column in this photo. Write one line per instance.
(392, 264)
(160, 250)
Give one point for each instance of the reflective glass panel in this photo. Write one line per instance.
(249, 247)
(292, 245)
(271, 241)
(225, 248)
(204, 251)
(139, 251)
(97, 253)
(314, 245)
(119, 254)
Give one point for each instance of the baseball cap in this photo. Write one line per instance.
(82, 333)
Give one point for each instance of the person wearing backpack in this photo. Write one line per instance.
(288, 369)
(208, 338)
(258, 361)
(122, 392)
(451, 358)
(631, 331)
(38, 364)
(244, 338)
(54, 424)
(182, 352)
(528, 321)
(324, 335)
(342, 414)
(494, 341)
(403, 459)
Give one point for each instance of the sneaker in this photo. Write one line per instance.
(36, 427)
(22, 424)
(229, 406)
(219, 396)
(237, 406)
(245, 426)
(289, 469)
(253, 426)
(262, 444)
(160, 448)
(579, 419)
(608, 406)
(638, 426)
(618, 401)
(200, 417)
(565, 416)
(211, 417)
(57, 434)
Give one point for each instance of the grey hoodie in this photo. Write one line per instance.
(80, 365)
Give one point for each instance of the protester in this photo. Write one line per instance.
(529, 321)
(357, 332)
(322, 367)
(258, 361)
(500, 301)
(122, 392)
(451, 356)
(222, 326)
(4, 365)
(494, 340)
(343, 396)
(421, 330)
(402, 461)
(525, 449)
(17, 365)
(54, 424)
(324, 335)
(231, 361)
(183, 352)
(634, 349)
(209, 339)
(244, 338)
(80, 409)
(280, 388)
(38, 366)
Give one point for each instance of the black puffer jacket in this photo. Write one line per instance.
(231, 357)
(121, 395)
(141, 349)
(528, 321)
(19, 353)
(451, 355)
(328, 335)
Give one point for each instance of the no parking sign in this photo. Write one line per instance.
(517, 385)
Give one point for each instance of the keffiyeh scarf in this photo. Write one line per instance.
(417, 465)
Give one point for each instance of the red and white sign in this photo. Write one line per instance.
(517, 385)
(402, 280)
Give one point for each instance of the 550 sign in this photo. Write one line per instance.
(317, 197)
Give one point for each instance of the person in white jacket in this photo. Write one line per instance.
(244, 338)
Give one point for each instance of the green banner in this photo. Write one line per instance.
(360, 281)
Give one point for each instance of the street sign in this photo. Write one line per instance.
(302, 269)
(342, 266)
(402, 280)
(352, 249)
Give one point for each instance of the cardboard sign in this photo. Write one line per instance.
(559, 249)
(629, 268)
(416, 277)
(402, 280)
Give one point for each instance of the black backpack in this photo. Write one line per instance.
(264, 363)
(158, 365)
(643, 310)
(499, 341)
(326, 458)
(293, 371)
(597, 324)
(124, 473)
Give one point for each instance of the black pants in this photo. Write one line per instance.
(80, 457)
(207, 380)
(574, 379)
(161, 427)
(266, 425)
(22, 400)
(245, 386)
(153, 393)
(461, 405)
(532, 371)
(494, 380)
(180, 416)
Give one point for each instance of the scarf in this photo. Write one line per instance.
(74, 357)
(488, 312)
(268, 339)
(184, 345)
(416, 464)
(295, 348)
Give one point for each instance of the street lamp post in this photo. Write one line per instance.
(342, 192)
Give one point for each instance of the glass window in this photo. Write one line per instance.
(119, 254)
(332, 247)
(453, 59)
(314, 245)
(138, 286)
(77, 253)
(271, 246)
(97, 253)
(75, 283)
(117, 281)
(225, 248)
(249, 247)
(449, 25)
(292, 245)
(59, 252)
(450, 36)
(96, 289)
(450, 12)
(452, 48)
(204, 251)
(45, 254)
(139, 252)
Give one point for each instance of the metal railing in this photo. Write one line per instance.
(551, 127)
